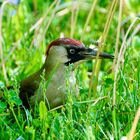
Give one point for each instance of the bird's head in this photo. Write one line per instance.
(67, 51)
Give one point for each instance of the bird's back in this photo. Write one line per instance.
(28, 87)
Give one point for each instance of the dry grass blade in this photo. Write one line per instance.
(118, 33)
(95, 101)
(56, 108)
(120, 58)
(136, 30)
(40, 36)
(74, 15)
(134, 125)
(96, 68)
(117, 42)
(1, 39)
(89, 17)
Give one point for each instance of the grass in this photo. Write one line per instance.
(112, 109)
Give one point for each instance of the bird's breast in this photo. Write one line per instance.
(54, 91)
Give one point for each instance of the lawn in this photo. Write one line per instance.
(108, 104)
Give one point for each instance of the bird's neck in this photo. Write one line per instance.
(51, 68)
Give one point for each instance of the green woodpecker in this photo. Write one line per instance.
(59, 55)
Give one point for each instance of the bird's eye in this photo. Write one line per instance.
(72, 51)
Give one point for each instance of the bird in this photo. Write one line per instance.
(60, 54)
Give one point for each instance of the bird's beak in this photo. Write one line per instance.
(89, 53)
